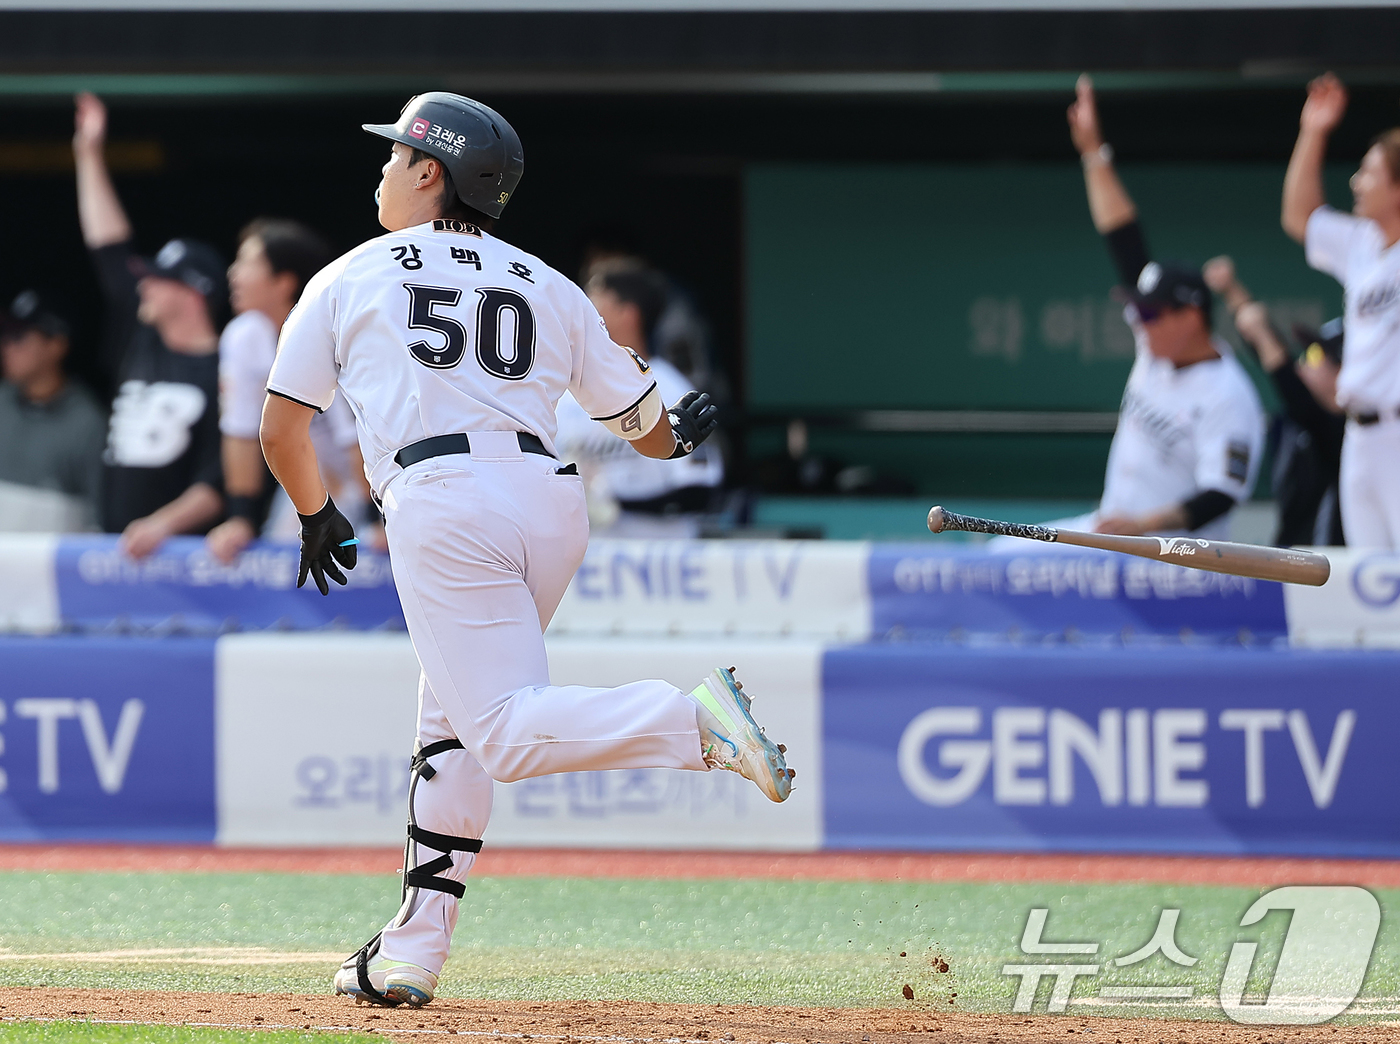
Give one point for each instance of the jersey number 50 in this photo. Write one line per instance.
(499, 312)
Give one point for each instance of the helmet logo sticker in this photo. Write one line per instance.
(442, 138)
(418, 128)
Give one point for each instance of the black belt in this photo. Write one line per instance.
(440, 445)
(1371, 417)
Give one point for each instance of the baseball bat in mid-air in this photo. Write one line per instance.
(1217, 556)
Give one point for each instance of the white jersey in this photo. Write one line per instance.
(442, 328)
(1182, 432)
(247, 350)
(1353, 251)
(629, 475)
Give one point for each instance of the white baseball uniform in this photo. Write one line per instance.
(441, 329)
(615, 471)
(1353, 251)
(247, 349)
(1182, 432)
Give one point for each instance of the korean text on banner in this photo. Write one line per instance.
(915, 592)
(335, 769)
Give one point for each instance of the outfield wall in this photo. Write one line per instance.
(847, 591)
(302, 739)
(1045, 700)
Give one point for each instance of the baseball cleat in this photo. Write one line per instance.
(395, 982)
(731, 739)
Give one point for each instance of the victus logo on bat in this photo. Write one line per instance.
(1302, 967)
(1179, 545)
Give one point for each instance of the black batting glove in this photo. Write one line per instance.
(693, 420)
(327, 537)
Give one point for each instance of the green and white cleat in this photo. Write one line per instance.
(388, 982)
(731, 739)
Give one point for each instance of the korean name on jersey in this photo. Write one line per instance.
(442, 328)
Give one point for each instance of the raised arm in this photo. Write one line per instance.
(1251, 317)
(100, 212)
(1302, 185)
(1109, 203)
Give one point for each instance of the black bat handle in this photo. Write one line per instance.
(941, 519)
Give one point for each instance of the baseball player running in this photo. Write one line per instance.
(452, 349)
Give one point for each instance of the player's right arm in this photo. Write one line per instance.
(1109, 203)
(302, 383)
(100, 213)
(246, 351)
(1111, 208)
(1302, 184)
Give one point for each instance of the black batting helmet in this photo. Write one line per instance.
(478, 148)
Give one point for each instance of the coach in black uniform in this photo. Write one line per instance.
(161, 473)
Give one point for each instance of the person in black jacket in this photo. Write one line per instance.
(1308, 458)
(161, 472)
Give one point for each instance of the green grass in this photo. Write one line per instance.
(699, 941)
(99, 1033)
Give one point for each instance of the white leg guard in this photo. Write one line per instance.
(451, 806)
(445, 822)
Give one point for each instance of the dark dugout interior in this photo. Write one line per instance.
(644, 140)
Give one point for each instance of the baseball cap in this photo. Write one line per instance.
(1327, 339)
(30, 311)
(1171, 284)
(198, 265)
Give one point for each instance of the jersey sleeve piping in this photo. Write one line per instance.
(293, 398)
(631, 406)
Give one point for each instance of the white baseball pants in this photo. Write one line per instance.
(483, 547)
(1369, 486)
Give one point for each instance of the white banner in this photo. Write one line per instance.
(28, 584)
(313, 734)
(706, 588)
(1359, 606)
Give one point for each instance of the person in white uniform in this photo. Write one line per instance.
(1359, 250)
(276, 258)
(1190, 429)
(452, 348)
(630, 495)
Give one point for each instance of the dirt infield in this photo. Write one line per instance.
(587, 1022)
(1251, 872)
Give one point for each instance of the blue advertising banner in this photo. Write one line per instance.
(107, 739)
(183, 588)
(1204, 749)
(918, 592)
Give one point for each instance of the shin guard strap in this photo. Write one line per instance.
(420, 764)
(443, 842)
(362, 960)
(424, 876)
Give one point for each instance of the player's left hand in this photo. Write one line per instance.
(327, 537)
(693, 420)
